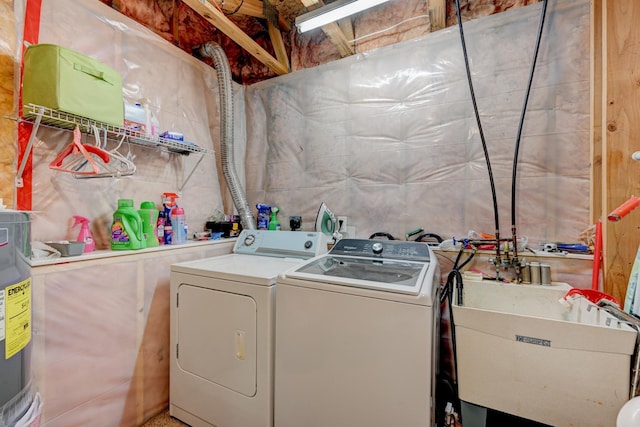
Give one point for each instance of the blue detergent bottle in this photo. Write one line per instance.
(264, 211)
(127, 229)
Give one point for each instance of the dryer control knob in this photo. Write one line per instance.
(308, 244)
(377, 248)
(248, 241)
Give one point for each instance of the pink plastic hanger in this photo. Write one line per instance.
(74, 149)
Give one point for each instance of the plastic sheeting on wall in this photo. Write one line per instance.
(182, 92)
(389, 138)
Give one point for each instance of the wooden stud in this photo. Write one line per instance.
(438, 14)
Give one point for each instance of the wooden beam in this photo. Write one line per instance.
(278, 45)
(253, 8)
(246, 7)
(620, 129)
(333, 31)
(224, 24)
(438, 14)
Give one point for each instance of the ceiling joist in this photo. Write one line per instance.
(253, 8)
(218, 19)
(334, 31)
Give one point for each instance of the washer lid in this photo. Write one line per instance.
(389, 275)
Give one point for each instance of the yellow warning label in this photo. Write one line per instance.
(18, 317)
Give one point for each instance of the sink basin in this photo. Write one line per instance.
(524, 350)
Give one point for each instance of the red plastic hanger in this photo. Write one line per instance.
(76, 148)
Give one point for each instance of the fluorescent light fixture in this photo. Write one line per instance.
(333, 12)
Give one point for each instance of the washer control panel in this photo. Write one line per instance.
(388, 249)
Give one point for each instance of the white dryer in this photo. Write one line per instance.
(222, 329)
(357, 337)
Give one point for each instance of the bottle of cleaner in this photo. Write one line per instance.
(179, 223)
(274, 224)
(85, 233)
(160, 224)
(263, 216)
(149, 215)
(126, 229)
(168, 233)
(168, 203)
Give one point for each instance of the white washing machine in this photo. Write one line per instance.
(222, 329)
(357, 337)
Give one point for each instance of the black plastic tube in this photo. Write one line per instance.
(477, 114)
(543, 14)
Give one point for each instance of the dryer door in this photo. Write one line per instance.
(217, 337)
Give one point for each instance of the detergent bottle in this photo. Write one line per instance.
(168, 203)
(274, 224)
(179, 224)
(149, 215)
(85, 233)
(263, 216)
(126, 229)
(160, 225)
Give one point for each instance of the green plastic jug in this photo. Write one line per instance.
(149, 215)
(126, 229)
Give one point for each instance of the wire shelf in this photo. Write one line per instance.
(39, 115)
(61, 120)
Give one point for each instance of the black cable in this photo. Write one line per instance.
(454, 275)
(236, 10)
(477, 114)
(467, 260)
(524, 109)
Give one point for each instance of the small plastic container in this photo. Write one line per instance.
(67, 248)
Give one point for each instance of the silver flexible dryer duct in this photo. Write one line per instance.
(221, 64)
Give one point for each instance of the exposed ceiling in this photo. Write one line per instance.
(261, 41)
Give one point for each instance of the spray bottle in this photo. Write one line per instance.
(274, 224)
(85, 233)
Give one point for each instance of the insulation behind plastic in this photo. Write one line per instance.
(389, 139)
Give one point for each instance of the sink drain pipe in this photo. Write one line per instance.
(221, 64)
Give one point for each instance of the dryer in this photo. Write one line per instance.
(357, 337)
(222, 329)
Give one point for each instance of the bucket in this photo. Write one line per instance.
(15, 316)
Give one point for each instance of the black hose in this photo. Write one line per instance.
(477, 114)
(524, 110)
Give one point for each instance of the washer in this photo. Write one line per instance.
(222, 329)
(357, 337)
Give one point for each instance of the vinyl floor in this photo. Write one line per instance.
(164, 420)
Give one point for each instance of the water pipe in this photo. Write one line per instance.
(624, 209)
(597, 258)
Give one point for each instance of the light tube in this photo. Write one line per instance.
(333, 12)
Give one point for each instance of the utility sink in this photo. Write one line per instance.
(524, 350)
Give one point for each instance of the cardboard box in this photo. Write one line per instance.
(68, 81)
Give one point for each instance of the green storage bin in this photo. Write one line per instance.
(68, 81)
